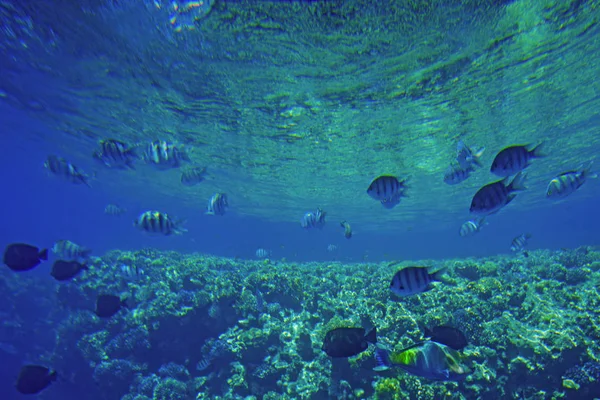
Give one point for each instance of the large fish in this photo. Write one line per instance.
(23, 257)
(160, 223)
(493, 196)
(414, 280)
(568, 182)
(387, 188)
(115, 154)
(514, 159)
(347, 342)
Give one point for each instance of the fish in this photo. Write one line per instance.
(23, 257)
(472, 226)
(159, 223)
(65, 270)
(519, 243)
(108, 305)
(448, 336)
(514, 159)
(34, 378)
(427, 359)
(347, 229)
(331, 248)
(348, 342)
(456, 174)
(68, 250)
(217, 204)
(193, 175)
(114, 209)
(132, 272)
(65, 170)
(568, 182)
(165, 155)
(387, 188)
(466, 157)
(314, 220)
(113, 153)
(262, 253)
(492, 197)
(414, 280)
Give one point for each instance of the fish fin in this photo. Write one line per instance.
(537, 151)
(481, 222)
(477, 155)
(43, 255)
(518, 182)
(371, 337)
(586, 170)
(509, 198)
(439, 274)
(85, 253)
(528, 235)
(382, 358)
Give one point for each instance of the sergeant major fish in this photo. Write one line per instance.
(466, 157)
(313, 220)
(159, 223)
(387, 188)
(519, 243)
(193, 175)
(67, 171)
(165, 155)
(114, 209)
(217, 204)
(514, 159)
(493, 196)
(471, 227)
(262, 253)
(568, 182)
(456, 174)
(414, 280)
(70, 251)
(347, 229)
(113, 153)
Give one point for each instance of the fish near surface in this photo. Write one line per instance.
(568, 182)
(492, 197)
(347, 342)
(514, 159)
(387, 188)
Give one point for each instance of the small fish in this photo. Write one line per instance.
(115, 154)
(314, 220)
(456, 174)
(114, 209)
(34, 378)
(218, 204)
(193, 175)
(108, 305)
(347, 342)
(132, 272)
(262, 253)
(414, 280)
(387, 188)
(493, 196)
(331, 248)
(427, 359)
(448, 336)
(347, 229)
(514, 159)
(67, 250)
(65, 270)
(159, 223)
(568, 182)
(466, 157)
(67, 171)
(519, 243)
(23, 257)
(165, 155)
(471, 227)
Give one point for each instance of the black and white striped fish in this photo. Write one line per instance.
(347, 229)
(313, 220)
(493, 196)
(193, 175)
(514, 159)
(262, 253)
(114, 209)
(387, 188)
(165, 155)
(159, 223)
(414, 280)
(218, 204)
(519, 243)
(70, 251)
(568, 182)
(456, 174)
(132, 272)
(471, 227)
(67, 171)
(115, 154)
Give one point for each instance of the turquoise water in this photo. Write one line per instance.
(290, 106)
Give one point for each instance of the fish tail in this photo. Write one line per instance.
(586, 171)
(43, 255)
(528, 236)
(85, 252)
(538, 151)
(439, 274)
(382, 358)
(518, 183)
(481, 222)
(179, 230)
(371, 337)
(477, 155)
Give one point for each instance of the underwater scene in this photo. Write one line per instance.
(336, 199)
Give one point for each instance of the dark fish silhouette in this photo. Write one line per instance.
(34, 378)
(108, 305)
(514, 159)
(448, 336)
(347, 342)
(64, 270)
(23, 257)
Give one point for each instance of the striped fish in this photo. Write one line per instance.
(471, 227)
(519, 243)
(493, 196)
(467, 157)
(456, 174)
(568, 182)
(165, 155)
(193, 175)
(70, 251)
(347, 229)
(414, 280)
(262, 253)
(160, 223)
(514, 159)
(218, 204)
(115, 154)
(64, 169)
(386, 188)
(313, 220)
(114, 209)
